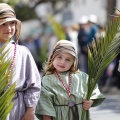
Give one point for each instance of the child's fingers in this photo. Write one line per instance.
(87, 104)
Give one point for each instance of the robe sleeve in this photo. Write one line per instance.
(97, 96)
(33, 82)
(45, 103)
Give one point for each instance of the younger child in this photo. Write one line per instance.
(25, 71)
(64, 87)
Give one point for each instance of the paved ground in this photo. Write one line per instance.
(109, 109)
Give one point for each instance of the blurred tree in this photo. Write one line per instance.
(111, 7)
(24, 12)
(53, 3)
(25, 9)
(10, 2)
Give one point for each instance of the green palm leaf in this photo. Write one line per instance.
(57, 28)
(101, 53)
(6, 94)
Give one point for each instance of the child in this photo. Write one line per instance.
(64, 87)
(26, 74)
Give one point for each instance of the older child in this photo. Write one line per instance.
(26, 74)
(64, 86)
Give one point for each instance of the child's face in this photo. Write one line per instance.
(63, 62)
(7, 30)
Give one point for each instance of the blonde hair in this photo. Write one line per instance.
(49, 68)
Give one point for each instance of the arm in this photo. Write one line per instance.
(46, 117)
(45, 106)
(31, 87)
(29, 114)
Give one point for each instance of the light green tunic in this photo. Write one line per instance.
(53, 93)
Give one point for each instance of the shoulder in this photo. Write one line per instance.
(81, 74)
(48, 77)
(48, 80)
(23, 50)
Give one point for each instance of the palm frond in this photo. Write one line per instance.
(101, 53)
(5, 102)
(58, 30)
(6, 94)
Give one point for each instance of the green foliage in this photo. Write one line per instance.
(24, 12)
(10, 2)
(101, 53)
(6, 94)
(58, 30)
(43, 52)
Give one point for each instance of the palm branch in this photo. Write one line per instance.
(101, 53)
(6, 94)
(57, 28)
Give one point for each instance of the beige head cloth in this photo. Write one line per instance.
(66, 47)
(8, 14)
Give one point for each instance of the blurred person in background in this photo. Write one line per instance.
(33, 43)
(73, 33)
(82, 42)
(52, 39)
(93, 28)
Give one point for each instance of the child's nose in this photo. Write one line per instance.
(9, 26)
(63, 62)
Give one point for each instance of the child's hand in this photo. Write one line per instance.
(29, 114)
(87, 104)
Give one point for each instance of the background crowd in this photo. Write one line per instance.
(81, 34)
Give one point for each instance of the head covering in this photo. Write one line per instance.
(66, 47)
(8, 14)
(83, 19)
(92, 18)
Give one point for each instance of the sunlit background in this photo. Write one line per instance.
(44, 22)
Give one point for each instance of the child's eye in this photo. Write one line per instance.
(59, 57)
(13, 23)
(3, 24)
(67, 59)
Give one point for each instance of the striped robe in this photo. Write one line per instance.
(53, 94)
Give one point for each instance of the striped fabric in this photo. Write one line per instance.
(53, 94)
